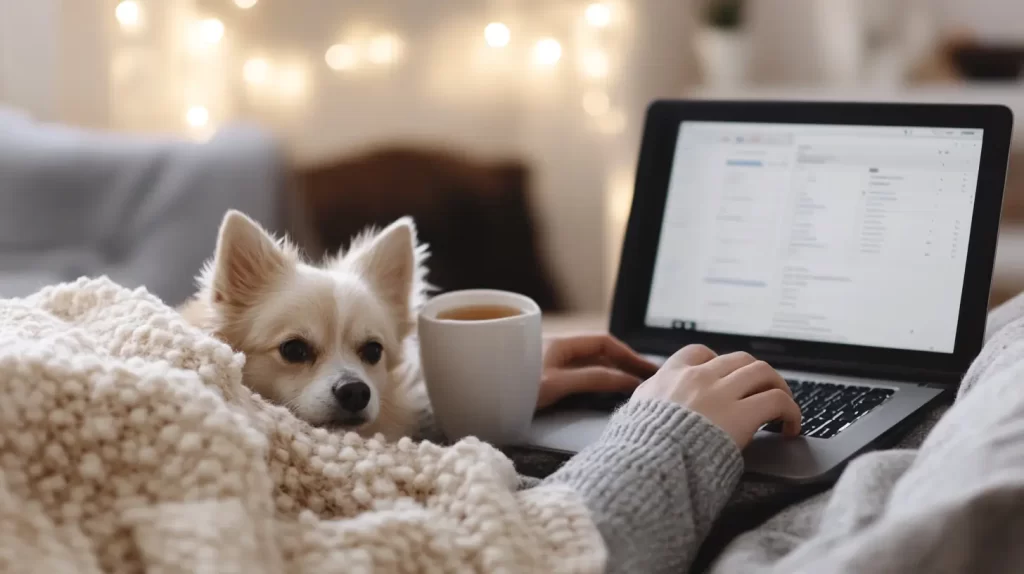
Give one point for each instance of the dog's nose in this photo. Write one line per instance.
(353, 397)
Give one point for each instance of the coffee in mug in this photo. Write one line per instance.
(479, 313)
(480, 352)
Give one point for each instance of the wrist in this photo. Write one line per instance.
(656, 480)
(656, 425)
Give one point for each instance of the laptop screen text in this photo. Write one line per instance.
(823, 233)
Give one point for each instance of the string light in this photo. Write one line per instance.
(256, 71)
(598, 15)
(283, 80)
(129, 15)
(547, 52)
(383, 49)
(197, 116)
(497, 35)
(620, 188)
(595, 64)
(292, 81)
(211, 30)
(341, 57)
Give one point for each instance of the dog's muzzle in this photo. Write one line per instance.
(352, 396)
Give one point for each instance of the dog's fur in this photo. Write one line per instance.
(257, 293)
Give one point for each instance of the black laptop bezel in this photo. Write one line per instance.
(636, 267)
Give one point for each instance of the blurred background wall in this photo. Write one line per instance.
(558, 87)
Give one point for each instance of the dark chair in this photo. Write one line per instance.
(476, 216)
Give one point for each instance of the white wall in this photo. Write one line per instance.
(67, 60)
(54, 60)
(994, 19)
(28, 51)
(448, 88)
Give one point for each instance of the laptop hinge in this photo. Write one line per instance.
(788, 362)
(868, 371)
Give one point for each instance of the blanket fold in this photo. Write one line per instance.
(128, 443)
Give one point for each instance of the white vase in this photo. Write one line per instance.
(723, 57)
(806, 42)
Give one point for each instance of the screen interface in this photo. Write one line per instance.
(827, 233)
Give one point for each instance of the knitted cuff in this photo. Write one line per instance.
(660, 427)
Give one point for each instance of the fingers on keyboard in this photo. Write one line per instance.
(828, 409)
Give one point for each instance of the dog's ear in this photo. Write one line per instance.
(246, 262)
(391, 262)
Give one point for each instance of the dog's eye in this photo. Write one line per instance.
(370, 352)
(296, 351)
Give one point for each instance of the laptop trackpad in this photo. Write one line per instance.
(568, 431)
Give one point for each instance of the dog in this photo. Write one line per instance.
(332, 342)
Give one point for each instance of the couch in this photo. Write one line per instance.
(143, 210)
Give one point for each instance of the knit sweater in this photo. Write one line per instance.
(128, 443)
(956, 504)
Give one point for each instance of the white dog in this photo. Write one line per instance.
(329, 342)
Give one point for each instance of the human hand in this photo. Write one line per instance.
(735, 391)
(589, 364)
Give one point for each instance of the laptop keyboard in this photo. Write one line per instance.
(828, 409)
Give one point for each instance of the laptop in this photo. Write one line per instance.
(850, 245)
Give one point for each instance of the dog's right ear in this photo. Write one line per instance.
(391, 260)
(246, 262)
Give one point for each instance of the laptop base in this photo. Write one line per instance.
(770, 456)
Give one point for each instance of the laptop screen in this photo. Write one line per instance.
(824, 233)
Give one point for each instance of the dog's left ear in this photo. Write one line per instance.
(247, 260)
(390, 261)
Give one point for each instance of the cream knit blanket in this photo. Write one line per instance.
(128, 444)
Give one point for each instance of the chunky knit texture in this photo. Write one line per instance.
(128, 444)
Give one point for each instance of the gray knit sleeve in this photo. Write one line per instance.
(654, 483)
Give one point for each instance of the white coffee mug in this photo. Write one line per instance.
(482, 376)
